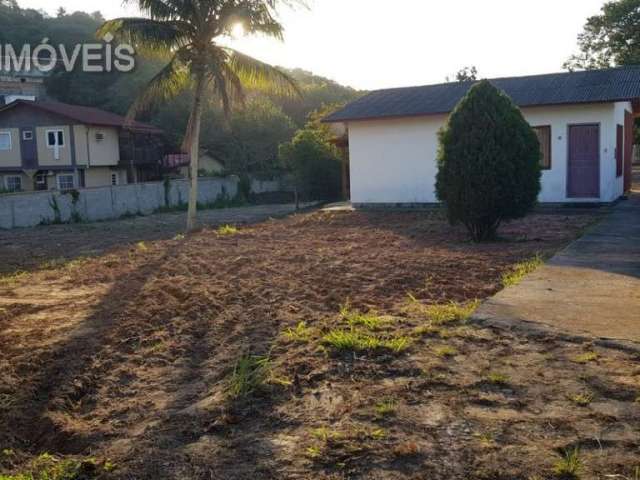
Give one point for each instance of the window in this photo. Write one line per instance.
(544, 137)
(55, 138)
(99, 136)
(66, 181)
(619, 150)
(27, 135)
(114, 179)
(5, 140)
(13, 183)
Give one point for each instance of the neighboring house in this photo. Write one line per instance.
(22, 85)
(50, 145)
(208, 165)
(584, 121)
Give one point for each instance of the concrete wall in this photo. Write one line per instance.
(13, 157)
(394, 161)
(106, 203)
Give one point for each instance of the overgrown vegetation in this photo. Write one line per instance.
(488, 163)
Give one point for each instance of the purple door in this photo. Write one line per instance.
(29, 148)
(583, 175)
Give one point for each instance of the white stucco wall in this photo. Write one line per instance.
(394, 161)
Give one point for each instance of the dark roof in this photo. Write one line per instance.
(593, 86)
(86, 115)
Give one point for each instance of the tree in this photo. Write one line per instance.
(488, 162)
(189, 31)
(256, 132)
(61, 12)
(466, 74)
(610, 38)
(312, 159)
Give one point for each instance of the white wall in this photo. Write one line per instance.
(394, 161)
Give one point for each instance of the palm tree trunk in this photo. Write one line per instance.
(194, 131)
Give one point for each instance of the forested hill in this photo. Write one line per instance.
(247, 143)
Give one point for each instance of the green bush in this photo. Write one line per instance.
(314, 163)
(488, 162)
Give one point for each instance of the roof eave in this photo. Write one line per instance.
(432, 114)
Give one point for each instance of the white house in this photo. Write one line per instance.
(584, 121)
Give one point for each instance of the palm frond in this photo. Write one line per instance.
(148, 35)
(257, 75)
(165, 85)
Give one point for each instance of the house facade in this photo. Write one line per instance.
(50, 145)
(584, 122)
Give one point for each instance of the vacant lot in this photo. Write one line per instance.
(305, 348)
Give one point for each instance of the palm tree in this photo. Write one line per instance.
(188, 33)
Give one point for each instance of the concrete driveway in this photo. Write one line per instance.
(591, 288)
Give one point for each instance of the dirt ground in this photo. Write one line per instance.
(28, 249)
(132, 358)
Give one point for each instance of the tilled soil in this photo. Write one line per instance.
(128, 357)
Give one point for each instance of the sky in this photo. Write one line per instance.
(371, 44)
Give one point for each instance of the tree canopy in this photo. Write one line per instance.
(610, 38)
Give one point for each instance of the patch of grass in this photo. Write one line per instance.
(179, 236)
(227, 230)
(385, 408)
(355, 340)
(486, 439)
(570, 466)
(521, 270)
(325, 435)
(445, 351)
(49, 467)
(370, 320)
(443, 314)
(302, 333)
(314, 452)
(496, 378)
(250, 374)
(586, 357)
(582, 399)
(449, 313)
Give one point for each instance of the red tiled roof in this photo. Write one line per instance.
(87, 115)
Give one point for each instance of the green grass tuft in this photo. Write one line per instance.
(250, 374)
(587, 357)
(227, 230)
(570, 466)
(521, 270)
(302, 333)
(370, 320)
(582, 399)
(386, 408)
(355, 340)
(498, 378)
